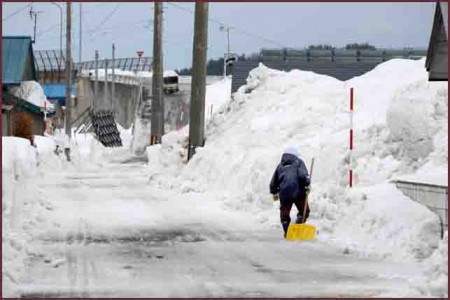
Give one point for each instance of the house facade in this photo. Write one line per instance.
(18, 66)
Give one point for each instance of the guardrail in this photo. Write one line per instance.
(126, 64)
(124, 79)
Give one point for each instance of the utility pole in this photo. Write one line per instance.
(105, 88)
(227, 55)
(81, 40)
(113, 84)
(157, 118)
(198, 84)
(34, 14)
(68, 68)
(95, 81)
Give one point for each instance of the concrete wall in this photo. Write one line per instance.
(176, 106)
(435, 197)
(84, 96)
(124, 100)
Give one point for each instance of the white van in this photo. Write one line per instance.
(170, 79)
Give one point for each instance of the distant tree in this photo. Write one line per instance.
(214, 67)
(184, 72)
(360, 46)
(320, 47)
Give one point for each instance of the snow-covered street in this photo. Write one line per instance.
(113, 236)
(113, 224)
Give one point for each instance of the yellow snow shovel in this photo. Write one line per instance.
(302, 232)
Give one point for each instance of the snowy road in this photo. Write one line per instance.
(113, 235)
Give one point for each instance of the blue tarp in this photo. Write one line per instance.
(56, 92)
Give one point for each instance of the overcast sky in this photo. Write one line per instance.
(254, 26)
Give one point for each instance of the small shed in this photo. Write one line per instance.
(437, 55)
(18, 65)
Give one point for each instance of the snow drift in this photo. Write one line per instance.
(20, 205)
(245, 138)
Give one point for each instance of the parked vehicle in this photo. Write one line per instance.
(170, 79)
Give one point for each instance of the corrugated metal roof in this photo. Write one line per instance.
(444, 11)
(437, 56)
(56, 90)
(15, 50)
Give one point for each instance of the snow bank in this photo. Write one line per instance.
(245, 137)
(18, 163)
(32, 92)
(141, 136)
(24, 207)
(436, 269)
(380, 219)
(217, 94)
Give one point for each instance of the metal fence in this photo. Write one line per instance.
(50, 64)
(126, 64)
(340, 54)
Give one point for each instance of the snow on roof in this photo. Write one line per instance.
(32, 92)
(170, 73)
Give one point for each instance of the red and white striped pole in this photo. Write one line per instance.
(351, 139)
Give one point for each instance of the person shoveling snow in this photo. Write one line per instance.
(290, 184)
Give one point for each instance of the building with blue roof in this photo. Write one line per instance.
(17, 60)
(18, 65)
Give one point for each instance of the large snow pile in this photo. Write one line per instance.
(310, 111)
(22, 204)
(217, 94)
(436, 270)
(32, 92)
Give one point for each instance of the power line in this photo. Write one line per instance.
(107, 17)
(48, 29)
(16, 12)
(233, 27)
(91, 31)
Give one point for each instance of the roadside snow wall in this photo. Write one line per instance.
(393, 137)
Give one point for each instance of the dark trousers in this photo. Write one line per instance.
(285, 209)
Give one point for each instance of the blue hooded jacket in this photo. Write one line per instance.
(290, 177)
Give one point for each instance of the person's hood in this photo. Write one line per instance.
(288, 159)
(290, 154)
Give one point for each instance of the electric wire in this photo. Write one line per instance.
(16, 12)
